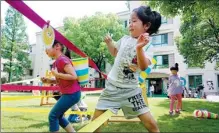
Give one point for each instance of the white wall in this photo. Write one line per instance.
(41, 60)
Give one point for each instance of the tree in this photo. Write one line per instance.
(87, 33)
(199, 40)
(16, 45)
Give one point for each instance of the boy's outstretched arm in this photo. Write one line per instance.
(143, 61)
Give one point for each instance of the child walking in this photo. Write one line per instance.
(175, 90)
(66, 79)
(122, 88)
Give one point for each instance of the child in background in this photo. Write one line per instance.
(175, 90)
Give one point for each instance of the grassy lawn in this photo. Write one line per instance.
(185, 122)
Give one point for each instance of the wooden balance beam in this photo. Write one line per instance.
(121, 118)
(94, 125)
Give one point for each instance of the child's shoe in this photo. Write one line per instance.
(171, 113)
(177, 111)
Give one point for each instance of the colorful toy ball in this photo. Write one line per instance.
(198, 113)
(204, 114)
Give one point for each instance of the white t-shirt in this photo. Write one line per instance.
(125, 72)
(152, 88)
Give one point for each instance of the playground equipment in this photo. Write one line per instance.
(46, 94)
(92, 126)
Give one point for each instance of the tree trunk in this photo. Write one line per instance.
(10, 65)
(100, 80)
(99, 63)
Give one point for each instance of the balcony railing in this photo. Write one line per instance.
(161, 66)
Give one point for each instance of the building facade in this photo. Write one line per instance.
(166, 53)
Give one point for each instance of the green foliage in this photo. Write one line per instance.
(15, 45)
(87, 33)
(199, 40)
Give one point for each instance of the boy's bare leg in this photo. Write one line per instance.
(149, 122)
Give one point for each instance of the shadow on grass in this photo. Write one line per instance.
(36, 126)
(21, 117)
(39, 125)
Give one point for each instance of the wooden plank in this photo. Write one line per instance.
(124, 120)
(94, 125)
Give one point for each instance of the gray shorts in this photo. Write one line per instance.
(129, 100)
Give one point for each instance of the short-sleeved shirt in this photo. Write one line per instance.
(125, 72)
(175, 86)
(152, 88)
(66, 86)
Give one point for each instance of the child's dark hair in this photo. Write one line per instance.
(67, 51)
(176, 67)
(146, 15)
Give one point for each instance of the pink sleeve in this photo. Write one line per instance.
(63, 62)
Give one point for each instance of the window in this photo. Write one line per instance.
(31, 72)
(162, 61)
(31, 50)
(163, 20)
(126, 23)
(160, 40)
(195, 81)
(218, 81)
(217, 63)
